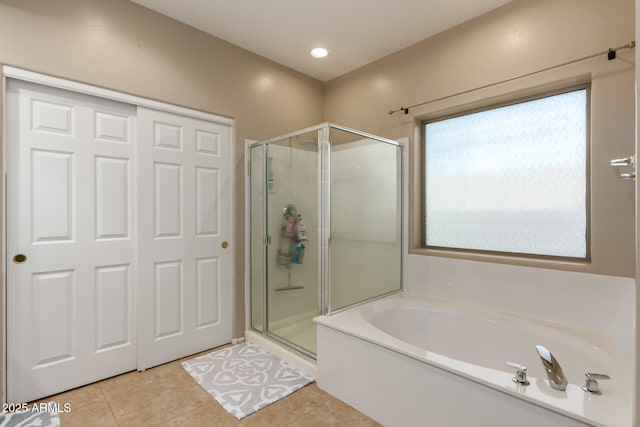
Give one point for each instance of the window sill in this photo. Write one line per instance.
(553, 263)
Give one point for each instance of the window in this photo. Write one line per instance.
(510, 179)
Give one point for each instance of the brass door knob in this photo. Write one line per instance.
(225, 245)
(19, 258)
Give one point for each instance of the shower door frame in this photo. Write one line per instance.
(324, 227)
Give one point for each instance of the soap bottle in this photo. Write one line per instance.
(302, 231)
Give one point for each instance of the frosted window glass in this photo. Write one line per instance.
(510, 179)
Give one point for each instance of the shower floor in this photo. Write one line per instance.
(300, 330)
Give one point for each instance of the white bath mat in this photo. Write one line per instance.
(245, 378)
(30, 419)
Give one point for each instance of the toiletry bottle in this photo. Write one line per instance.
(302, 231)
(290, 225)
(296, 258)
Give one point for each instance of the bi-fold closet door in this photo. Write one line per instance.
(116, 219)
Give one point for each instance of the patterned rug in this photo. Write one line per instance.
(30, 419)
(245, 378)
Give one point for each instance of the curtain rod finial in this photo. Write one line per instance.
(403, 109)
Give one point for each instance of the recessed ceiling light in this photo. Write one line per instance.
(319, 52)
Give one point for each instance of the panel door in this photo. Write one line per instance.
(185, 262)
(69, 212)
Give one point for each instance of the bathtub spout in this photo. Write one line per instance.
(557, 380)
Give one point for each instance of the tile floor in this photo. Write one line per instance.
(167, 395)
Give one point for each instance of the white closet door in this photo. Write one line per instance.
(184, 290)
(70, 210)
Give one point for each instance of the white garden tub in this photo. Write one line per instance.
(410, 360)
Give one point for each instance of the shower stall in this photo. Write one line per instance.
(325, 228)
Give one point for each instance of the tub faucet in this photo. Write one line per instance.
(557, 380)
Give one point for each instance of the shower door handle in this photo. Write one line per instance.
(625, 162)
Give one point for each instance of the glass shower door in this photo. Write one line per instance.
(287, 171)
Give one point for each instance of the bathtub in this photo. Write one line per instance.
(412, 360)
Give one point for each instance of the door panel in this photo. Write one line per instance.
(114, 307)
(52, 196)
(53, 307)
(185, 200)
(208, 292)
(167, 192)
(69, 193)
(113, 208)
(167, 304)
(207, 198)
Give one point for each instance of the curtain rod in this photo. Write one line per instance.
(611, 55)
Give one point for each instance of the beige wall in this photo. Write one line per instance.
(119, 45)
(519, 38)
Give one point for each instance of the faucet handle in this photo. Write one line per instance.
(521, 373)
(591, 382)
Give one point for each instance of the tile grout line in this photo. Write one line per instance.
(188, 412)
(104, 396)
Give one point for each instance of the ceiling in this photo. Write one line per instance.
(356, 32)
